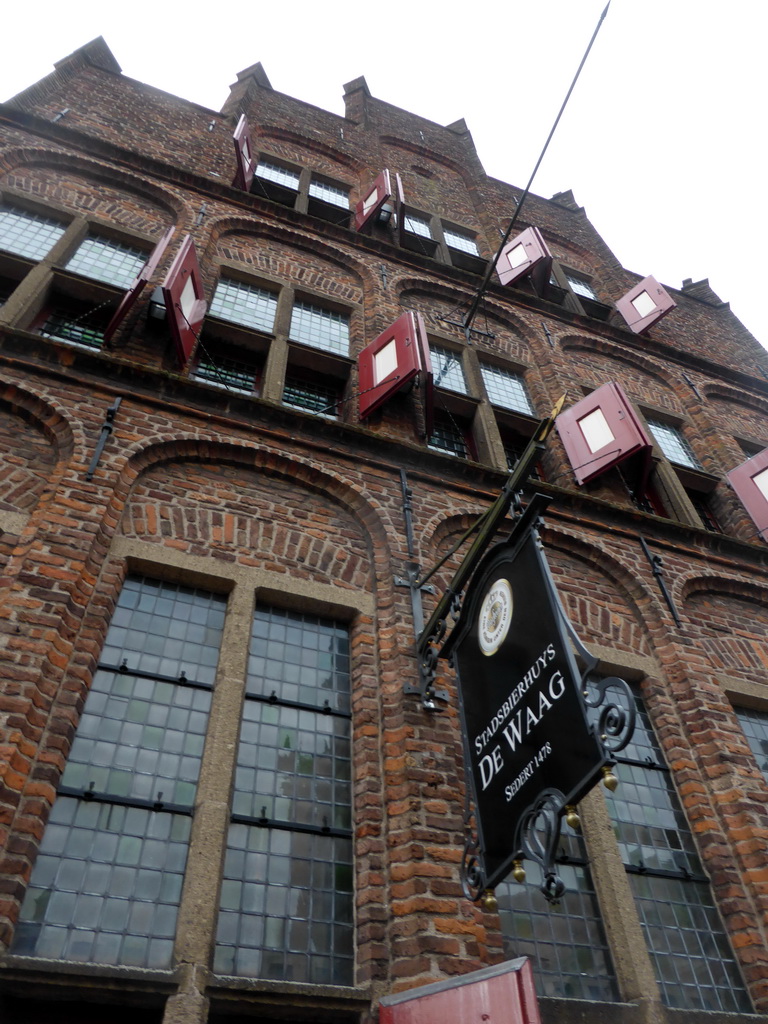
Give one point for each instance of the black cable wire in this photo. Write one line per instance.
(492, 265)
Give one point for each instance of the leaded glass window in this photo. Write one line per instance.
(230, 374)
(107, 881)
(286, 902)
(333, 194)
(446, 368)
(506, 389)
(417, 225)
(581, 286)
(28, 234)
(457, 240)
(244, 304)
(81, 328)
(449, 437)
(321, 328)
(694, 965)
(280, 175)
(311, 395)
(673, 444)
(565, 942)
(755, 726)
(103, 259)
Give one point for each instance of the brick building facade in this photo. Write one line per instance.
(216, 801)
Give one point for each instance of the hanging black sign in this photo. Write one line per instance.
(528, 745)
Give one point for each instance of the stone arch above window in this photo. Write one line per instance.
(443, 191)
(732, 628)
(234, 512)
(33, 440)
(85, 191)
(444, 315)
(744, 419)
(601, 610)
(283, 262)
(591, 366)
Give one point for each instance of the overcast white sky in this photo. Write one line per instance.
(664, 140)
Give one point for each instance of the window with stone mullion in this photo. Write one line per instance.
(107, 882)
(694, 964)
(286, 901)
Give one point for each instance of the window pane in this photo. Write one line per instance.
(288, 915)
(166, 629)
(565, 942)
(107, 883)
(448, 437)
(506, 389)
(673, 444)
(226, 373)
(312, 396)
(465, 243)
(276, 173)
(755, 726)
(244, 304)
(299, 657)
(286, 904)
(446, 366)
(417, 225)
(580, 286)
(28, 234)
(105, 260)
(329, 193)
(695, 967)
(321, 328)
(76, 328)
(141, 738)
(116, 884)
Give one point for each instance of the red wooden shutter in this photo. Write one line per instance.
(246, 166)
(521, 254)
(134, 291)
(389, 363)
(645, 304)
(369, 207)
(600, 431)
(184, 302)
(504, 993)
(750, 482)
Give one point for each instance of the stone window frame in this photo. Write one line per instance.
(669, 485)
(488, 427)
(274, 355)
(562, 291)
(295, 190)
(198, 911)
(436, 244)
(679, 865)
(634, 975)
(47, 285)
(674, 481)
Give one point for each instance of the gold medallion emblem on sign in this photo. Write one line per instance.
(495, 617)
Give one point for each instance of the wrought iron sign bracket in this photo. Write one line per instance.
(430, 640)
